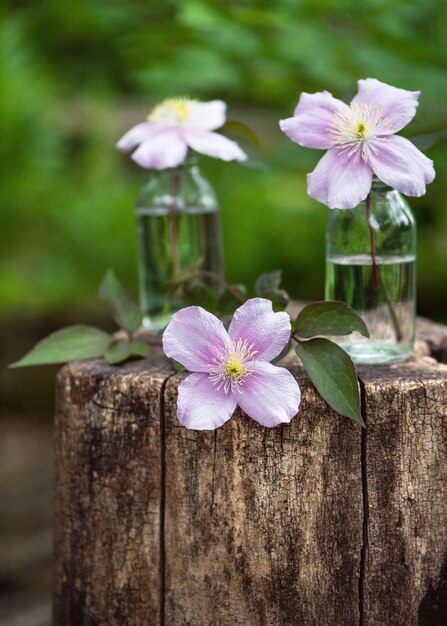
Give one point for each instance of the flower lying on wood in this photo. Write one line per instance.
(232, 368)
(175, 125)
(360, 140)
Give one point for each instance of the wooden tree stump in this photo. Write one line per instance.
(314, 523)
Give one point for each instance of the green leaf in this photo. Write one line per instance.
(68, 344)
(127, 312)
(227, 302)
(284, 352)
(279, 298)
(247, 139)
(140, 348)
(328, 318)
(197, 293)
(333, 373)
(267, 282)
(178, 366)
(242, 129)
(428, 140)
(121, 350)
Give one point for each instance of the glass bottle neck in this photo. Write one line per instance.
(178, 190)
(385, 218)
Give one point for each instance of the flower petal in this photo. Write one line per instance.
(398, 163)
(395, 107)
(213, 145)
(313, 118)
(270, 395)
(206, 115)
(163, 150)
(201, 406)
(136, 135)
(338, 181)
(256, 322)
(194, 338)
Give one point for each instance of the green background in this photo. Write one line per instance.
(75, 76)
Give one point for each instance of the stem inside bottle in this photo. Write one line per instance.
(371, 265)
(178, 226)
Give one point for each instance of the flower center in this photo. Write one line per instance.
(361, 129)
(352, 128)
(231, 368)
(234, 369)
(171, 111)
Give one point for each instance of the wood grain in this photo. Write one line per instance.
(406, 460)
(314, 523)
(263, 526)
(108, 493)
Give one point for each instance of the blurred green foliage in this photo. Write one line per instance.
(75, 76)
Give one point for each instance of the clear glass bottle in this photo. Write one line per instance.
(371, 265)
(179, 235)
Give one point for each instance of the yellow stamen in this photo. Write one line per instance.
(361, 129)
(177, 107)
(234, 368)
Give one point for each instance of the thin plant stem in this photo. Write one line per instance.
(172, 221)
(377, 276)
(153, 341)
(213, 276)
(372, 237)
(394, 318)
(173, 242)
(219, 279)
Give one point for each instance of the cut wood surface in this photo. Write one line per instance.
(317, 522)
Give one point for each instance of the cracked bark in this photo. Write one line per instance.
(406, 462)
(108, 467)
(365, 502)
(304, 524)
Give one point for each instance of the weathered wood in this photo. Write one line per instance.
(107, 494)
(263, 526)
(406, 490)
(316, 522)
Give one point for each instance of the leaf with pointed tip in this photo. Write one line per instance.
(248, 141)
(67, 344)
(279, 298)
(127, 312)
(178, 366)
(267, 282)
(227, 302)
(197, 293)
(328, 319)
(428, 140)
(121, 350)
(333, 373)
(232, 126)
(139, 348)
(284, 352)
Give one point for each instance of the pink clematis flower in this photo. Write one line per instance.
(360, 140)
(232, 368)
(176, 125)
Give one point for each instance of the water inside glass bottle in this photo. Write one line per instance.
(196, 245)
(387, 307)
